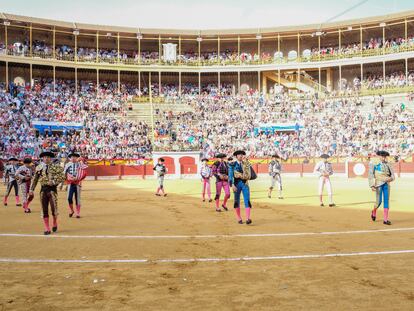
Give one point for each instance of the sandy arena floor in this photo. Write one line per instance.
(177, 253)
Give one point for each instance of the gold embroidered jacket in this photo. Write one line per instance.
(48, 175)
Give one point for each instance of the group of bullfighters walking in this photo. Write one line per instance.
(380, 176)
(229, 172)
(23, 179)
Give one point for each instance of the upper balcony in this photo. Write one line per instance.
(63, 42)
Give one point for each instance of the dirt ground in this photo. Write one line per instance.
(366, 282)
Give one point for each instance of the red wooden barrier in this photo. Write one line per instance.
(170, 168)
(308, 168)
(292, 168)
(407, 167)
(256, 167)
(355, 169)
(262, 169)
(149, 170)
(187, 165)
(358, 169)
(339, 168)
(133, 170)
(91, 171)
(114, 170)
(187, 160)
(169, 164)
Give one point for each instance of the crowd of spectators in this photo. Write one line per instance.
(369, 45)
(335, 126)
(105, 133)
(217, 120)
(374, 81)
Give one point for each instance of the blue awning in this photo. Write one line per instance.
(278, 127)
(43, 126)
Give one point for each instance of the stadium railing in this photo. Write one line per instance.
(386, 90)
(314, 57)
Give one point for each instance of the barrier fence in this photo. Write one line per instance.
(297, 160)
(142, 168)
(349, 169)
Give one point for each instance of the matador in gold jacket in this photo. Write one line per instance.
(49, 175)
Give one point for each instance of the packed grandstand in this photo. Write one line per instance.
(345, 90)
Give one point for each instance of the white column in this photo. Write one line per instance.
(119, 81)
(139, 83)
(76, 80)
(97, 80)
(197, 161)
(177, 166)
(54, 79)
(238, 82)
(179, 83)
(406, 71)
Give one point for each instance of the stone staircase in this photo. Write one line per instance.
(389, 102)
(174, 107)
(306, 84)
(140, 112)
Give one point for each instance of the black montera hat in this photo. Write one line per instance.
(47, 154)
(27, 161)
(383, 153)
(236, 153)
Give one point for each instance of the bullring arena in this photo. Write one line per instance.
(150, 253)
(122, 113)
